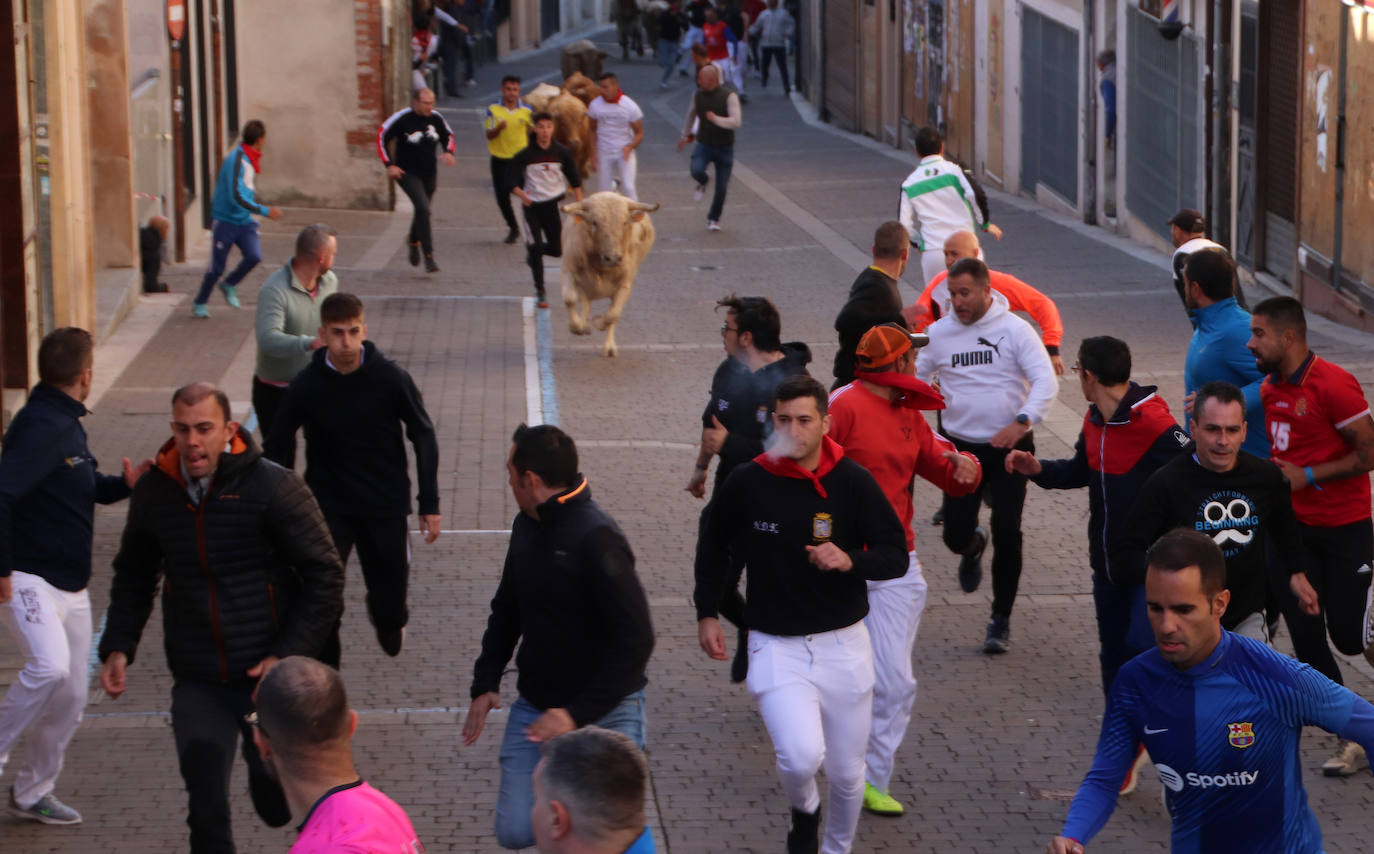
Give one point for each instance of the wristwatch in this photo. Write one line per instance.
(1023, 419)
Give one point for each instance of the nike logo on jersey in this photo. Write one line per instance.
(1149, 731)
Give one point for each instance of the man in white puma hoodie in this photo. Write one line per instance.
(997, 381)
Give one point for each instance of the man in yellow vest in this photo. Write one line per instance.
(508, 129)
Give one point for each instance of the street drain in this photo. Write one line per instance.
(704, 268)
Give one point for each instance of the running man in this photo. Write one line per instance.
(1188, 233)
(939, 198)
(617, 125)
(711, 121)
(1221, 716)
(812, 527)
(546, 171)
(1323, 442)
(877, 420)
(422, 138)
(507, 125)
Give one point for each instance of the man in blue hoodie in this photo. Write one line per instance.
(232, 211)
(1218, 351)
(49, 486)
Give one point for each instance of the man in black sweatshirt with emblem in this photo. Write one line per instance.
(569, 596)
(812, 527)
(411, 143)
(353, 403)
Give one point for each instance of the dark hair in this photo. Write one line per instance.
(1214, 272)
(1285, 313)
(1183, 547)
(600, 776)
(970, 267)
(541, 116)
(1107, 358)
(928, 141)
(1189, 221)
(609, 75)
(194, 393)
(802, 385)
(757, 316)
(546, 451)
(1220, 391)
(64, 354)
(302, 705)
(699, 49)
(340, 308)
(312, 239)
(509, 78)
(253, 130)
(890, 240)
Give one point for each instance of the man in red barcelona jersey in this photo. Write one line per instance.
(1322, 438)
(877, 420)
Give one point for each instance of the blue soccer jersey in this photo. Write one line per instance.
(1224, 738)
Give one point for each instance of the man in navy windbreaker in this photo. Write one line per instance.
(234, 204)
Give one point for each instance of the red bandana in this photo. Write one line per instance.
(831, 454)
(254, 156)
(915, 393)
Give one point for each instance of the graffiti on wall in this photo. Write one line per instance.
(935, 69)
(1321, 92)
(914, 42)
(995, 76)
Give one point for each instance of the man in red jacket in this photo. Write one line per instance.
(877, 420)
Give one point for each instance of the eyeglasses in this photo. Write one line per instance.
(728, 328)
(1077, 368)
(252, 720)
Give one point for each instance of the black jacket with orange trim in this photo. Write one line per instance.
(1114, 457)
(250, 572)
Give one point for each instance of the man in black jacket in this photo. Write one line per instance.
(249, 575)
(736, 422)
(353, 403)
(873, 298)
(812, 527)
(49, 486)
(569, 596)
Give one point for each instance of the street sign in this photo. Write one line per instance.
(176, 19)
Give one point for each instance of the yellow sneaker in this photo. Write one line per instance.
(880, 803)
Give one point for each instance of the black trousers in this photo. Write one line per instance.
(543, 237)
(384, 555)
(207, 723)
(1006, 495)
(420, 190)
(780, 54)
(504, 178)
(1335, 557)
(267, 401)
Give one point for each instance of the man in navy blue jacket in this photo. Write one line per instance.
(49, 485)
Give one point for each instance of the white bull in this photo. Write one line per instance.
(602, 250)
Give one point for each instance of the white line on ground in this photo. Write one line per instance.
(534, 409)
(128, 339)
(384, 245)
(496, 297)
(637, 443)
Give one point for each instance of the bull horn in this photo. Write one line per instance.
(643, 206)
(574, 208)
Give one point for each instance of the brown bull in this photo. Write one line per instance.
(571, 128)
(602, 250)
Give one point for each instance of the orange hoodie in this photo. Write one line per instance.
(1020, 296)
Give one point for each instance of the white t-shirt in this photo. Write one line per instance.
(613, 121)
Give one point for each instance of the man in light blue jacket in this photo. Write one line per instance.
(1218, 350)
(233, 224)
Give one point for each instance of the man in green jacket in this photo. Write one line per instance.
(288, 319)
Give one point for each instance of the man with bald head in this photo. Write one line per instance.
(711, 120)
(303, 728)
(934, 302)
(411, 142)
(249, 575)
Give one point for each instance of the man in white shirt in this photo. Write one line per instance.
(617, 125)
(1188, 233)
(997, 381)
(937, 200)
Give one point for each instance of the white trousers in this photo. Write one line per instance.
(614, 165)
(894, 616)
(815, 693)
(735, 66)
(53, 628)
(932, 263)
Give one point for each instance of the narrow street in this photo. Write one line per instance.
(997, 744)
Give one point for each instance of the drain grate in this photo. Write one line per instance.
(704, 268)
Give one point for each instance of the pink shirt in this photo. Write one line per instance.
(356, 819)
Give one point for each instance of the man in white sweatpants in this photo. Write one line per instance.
(811, 526)
(937, 200)
(48, 489)
(617, 126)
(877, 420)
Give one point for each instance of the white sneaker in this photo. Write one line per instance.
(1369, 624)
(712, 225)
(699, 193)
(1349, 759)
(48, 810)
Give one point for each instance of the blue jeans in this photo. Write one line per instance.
(225, 236)
(669, 52)
(519, 755)
(1123, 626)
(724, 158)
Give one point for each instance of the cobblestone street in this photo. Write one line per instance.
(997, 744)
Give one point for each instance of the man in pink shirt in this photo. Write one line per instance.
(304, 728)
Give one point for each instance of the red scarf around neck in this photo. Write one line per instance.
(915, 393)
(831, 454)
(254, 157)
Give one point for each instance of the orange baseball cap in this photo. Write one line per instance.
(884, 344)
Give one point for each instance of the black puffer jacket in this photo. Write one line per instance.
(251, 572)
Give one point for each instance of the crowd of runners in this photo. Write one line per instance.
(1242, 512)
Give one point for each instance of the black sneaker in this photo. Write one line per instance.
(156, 288)
(391, 641)
(939, 517)
(805, 835)
(430, 266)
(971, 564)
(414, 255)
(739, 668)
(513, 235)
(998, 640)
